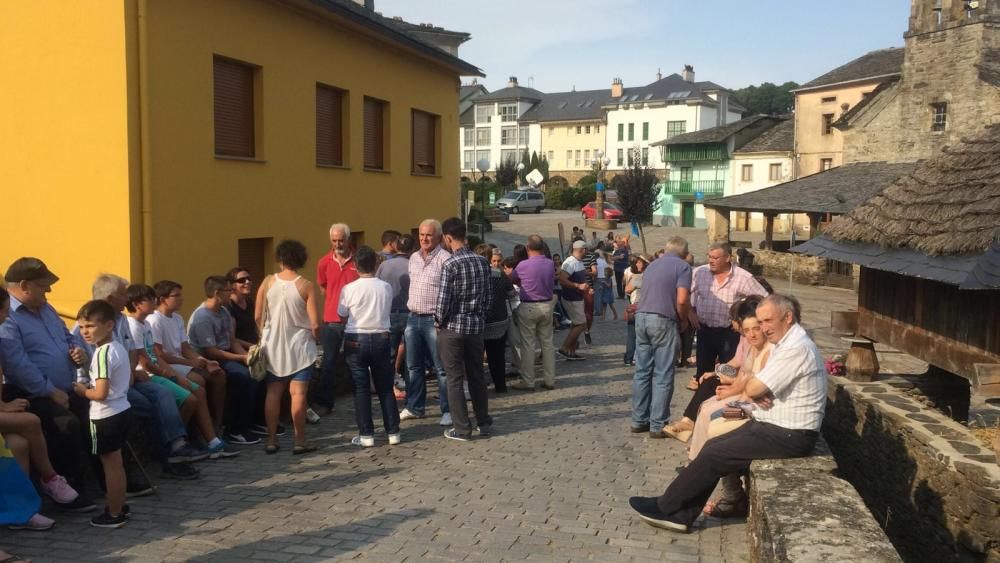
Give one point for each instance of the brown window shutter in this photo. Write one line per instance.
(374, 128)
(234, 108)
(424, 125)
(329, 126)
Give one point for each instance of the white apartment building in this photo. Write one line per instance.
(492, 130)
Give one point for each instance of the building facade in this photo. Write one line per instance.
(493, 132)
(761, 163)
(201, 147)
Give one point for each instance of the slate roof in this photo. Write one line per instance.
(779, 138)
(468, 117)
(882, 62)
(713, 134)
(837, 190)
(406, 26)
(672, 87)
(386, 29)
(846, 118)
(512, 93)
(967, 271)
(569, 106)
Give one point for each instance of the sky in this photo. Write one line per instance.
(559, 45)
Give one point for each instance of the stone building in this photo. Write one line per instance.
(949, 87)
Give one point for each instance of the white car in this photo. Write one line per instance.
(522, 201)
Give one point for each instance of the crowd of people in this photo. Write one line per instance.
(424, 306)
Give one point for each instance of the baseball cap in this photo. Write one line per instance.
(579, 244)
(30, 269)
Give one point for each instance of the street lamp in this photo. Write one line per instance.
(520, 168)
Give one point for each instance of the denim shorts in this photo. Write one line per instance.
(303, 375)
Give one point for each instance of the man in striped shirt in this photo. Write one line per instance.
(420, 336)
(790, 399)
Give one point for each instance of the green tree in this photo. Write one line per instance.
(526, 161)
(637, 195)
(506, 174)
(768, 98)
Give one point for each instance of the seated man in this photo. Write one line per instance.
(212, 332)
(790, 392)
(151, 403)
(40, 360)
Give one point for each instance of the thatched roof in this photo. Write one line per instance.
(837, 190)
(948, 205)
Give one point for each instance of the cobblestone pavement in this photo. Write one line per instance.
(552, 484)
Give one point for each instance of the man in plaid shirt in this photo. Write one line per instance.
(460, 317)
(715, 287)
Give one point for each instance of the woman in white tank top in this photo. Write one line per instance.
(288, 316)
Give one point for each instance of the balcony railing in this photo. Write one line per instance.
(691, 187)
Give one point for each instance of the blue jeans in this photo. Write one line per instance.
(369, 353)
(397, 326)
(630, 342)
(421, 345)
(333, 340)
(653, 384)
(155, 405)
(240, 392)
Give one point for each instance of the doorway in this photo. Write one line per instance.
(687, 213)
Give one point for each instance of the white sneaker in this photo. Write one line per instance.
(363, 441)
(394, 439)
(311, 416)
(445, 419)
(37, 523)
(407, 414)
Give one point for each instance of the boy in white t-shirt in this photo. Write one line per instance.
(110, 415)
(190, 397)
(366, 303)
(170, 342)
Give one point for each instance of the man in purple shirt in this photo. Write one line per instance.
(534, 317)
(663, 304)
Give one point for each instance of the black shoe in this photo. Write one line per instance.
(629, 363)
(657, 434)
(180, 471)
(485, 431)
(127, 510)
(137, 487)
(106, 520)
(586, 338)
(79, 504)
(640, 429)
(453, 434)
(650, 513)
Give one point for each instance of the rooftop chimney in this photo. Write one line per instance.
(688, 73)
(658, 75)
(512, 82)
(617, 88)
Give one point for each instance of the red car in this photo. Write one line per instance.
(611, 211)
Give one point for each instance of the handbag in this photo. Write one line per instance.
(257, 355)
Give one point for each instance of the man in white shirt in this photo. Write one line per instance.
(790, 393)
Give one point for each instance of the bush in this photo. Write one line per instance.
(556, 197)
(588, 180)
(585, 195)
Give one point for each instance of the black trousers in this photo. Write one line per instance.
(706, 390)
(730, 453)
(496, 351)
(462, 357)
(620, 283)
(65, 430)
(715, 345)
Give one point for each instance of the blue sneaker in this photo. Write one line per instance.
(222, 450)
(186, 454)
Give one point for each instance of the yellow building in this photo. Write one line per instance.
(821, 102)
(571, 147)
(174, 139)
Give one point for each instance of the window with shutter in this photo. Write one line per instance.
(374, 134)
(329, 126)
(234, 108)
(423, 142)
(252, 254)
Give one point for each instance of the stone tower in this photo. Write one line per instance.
(949, 87)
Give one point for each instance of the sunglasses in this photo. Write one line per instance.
(242, 280)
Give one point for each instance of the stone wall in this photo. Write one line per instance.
(801, 511)
(775, 266)
(941, 66)
(924, 477)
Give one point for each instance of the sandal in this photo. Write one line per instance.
(303, 449)
(272, 449)
(680, 434)
(693, 384)
(728, 509)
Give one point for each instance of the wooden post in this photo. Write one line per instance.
(769, 231)
(814, 225)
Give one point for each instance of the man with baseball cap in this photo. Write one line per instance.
(573, 279)
(40, 361)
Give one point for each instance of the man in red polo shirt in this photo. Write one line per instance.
(334, 271)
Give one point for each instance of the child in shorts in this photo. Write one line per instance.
(110, 415)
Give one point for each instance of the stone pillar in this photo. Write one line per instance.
(718, 224)
(769, 231)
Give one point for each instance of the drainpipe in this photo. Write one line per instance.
(146, 223)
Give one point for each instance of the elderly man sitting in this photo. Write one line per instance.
(790, 398)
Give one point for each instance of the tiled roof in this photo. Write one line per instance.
(779, 138)
(712, 134)
(882, 62)
(837, 190)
